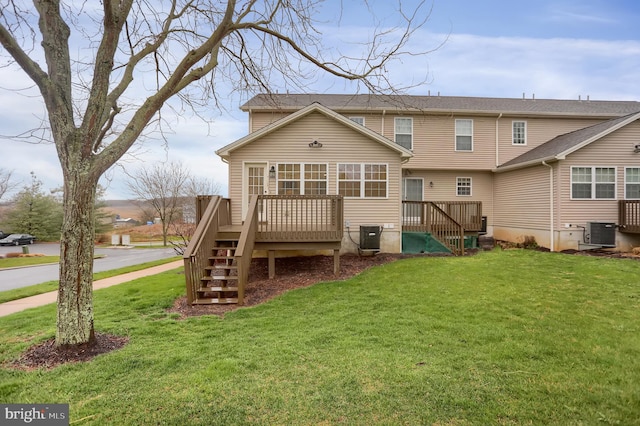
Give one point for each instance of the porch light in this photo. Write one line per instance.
(431, 184)
(272, 172)
(315, 144)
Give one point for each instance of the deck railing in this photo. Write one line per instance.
(299, 218)
(196, 256)
(244, 251)
(466, 213)
(427, 216)
(629, 216)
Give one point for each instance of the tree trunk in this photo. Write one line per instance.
(75, 292)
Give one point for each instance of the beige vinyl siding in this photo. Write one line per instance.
(340, 144)
(539, 131)
(614, 150)
(434, 142)
(258, 120)
(444, 187)
(371, 121)
(521, 198)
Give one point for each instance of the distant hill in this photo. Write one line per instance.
(124, 208)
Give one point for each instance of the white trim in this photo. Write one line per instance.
(470, 186)
(593, 183)
(362, 180)
(403, 187)
(625, 182)
(245, 184)
(226, 151)
(455, 137)
(302, 180)
(357, 117)
(513, 136)
(395, 131)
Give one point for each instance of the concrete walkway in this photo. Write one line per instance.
(14, 306)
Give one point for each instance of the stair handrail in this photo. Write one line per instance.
(246, 243)
(196, 254)
(451, 234)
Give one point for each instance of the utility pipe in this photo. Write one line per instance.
(497, 141)
(551, 232)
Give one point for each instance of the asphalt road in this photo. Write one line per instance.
(114, 258)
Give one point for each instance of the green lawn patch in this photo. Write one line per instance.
(32, 290)
(15, 262)
(503, 337)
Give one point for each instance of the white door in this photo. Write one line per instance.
(412, 190)
(255, 183)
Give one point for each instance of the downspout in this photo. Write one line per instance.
(551, 233)
(497, 141)
(384, 111)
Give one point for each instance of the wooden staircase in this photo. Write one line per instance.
(219, 285)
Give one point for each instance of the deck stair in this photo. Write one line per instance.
(219, 285)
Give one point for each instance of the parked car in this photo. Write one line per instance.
(3, 235)
(17, 239)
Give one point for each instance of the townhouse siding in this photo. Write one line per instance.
(340, 144)
(613, 150)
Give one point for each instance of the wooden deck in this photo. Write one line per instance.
(219, 255)
(447, 221)
(629, 216)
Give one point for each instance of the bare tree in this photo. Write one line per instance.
(105, 70)
(6, 182)
(162, 187)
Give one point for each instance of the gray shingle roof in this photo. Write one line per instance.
(567, 143)
(451, 104)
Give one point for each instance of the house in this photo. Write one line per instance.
(433, 169)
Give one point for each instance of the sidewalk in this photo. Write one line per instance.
(14, 306)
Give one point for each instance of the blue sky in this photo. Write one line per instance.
(558, 49)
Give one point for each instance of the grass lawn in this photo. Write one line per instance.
(504, 337)
(14, 262)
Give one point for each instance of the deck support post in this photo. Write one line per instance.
(272, 264)
(336, 262)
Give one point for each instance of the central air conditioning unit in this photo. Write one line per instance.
(602, 233)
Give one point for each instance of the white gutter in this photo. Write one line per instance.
(497, 138)
(551, 231)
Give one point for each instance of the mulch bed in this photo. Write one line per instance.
(291, 273)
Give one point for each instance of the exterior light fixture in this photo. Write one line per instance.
(431, 184)
(272, 172)
(315, 144)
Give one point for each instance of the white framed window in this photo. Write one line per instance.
(315, 179)
(632, 183)
(593, 183)
(519, 132)
(464, 135)
(359, 120)
(302, 179)
(463, 186)
(363, 180)
(403, 127)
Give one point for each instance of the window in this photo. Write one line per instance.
(632, 183)
(597, 183)
(315, 179)
(519, 132)
(359, 120)
(291, 181)
(362, 180)
(463, 186)
(464, 135)
(404, 132)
